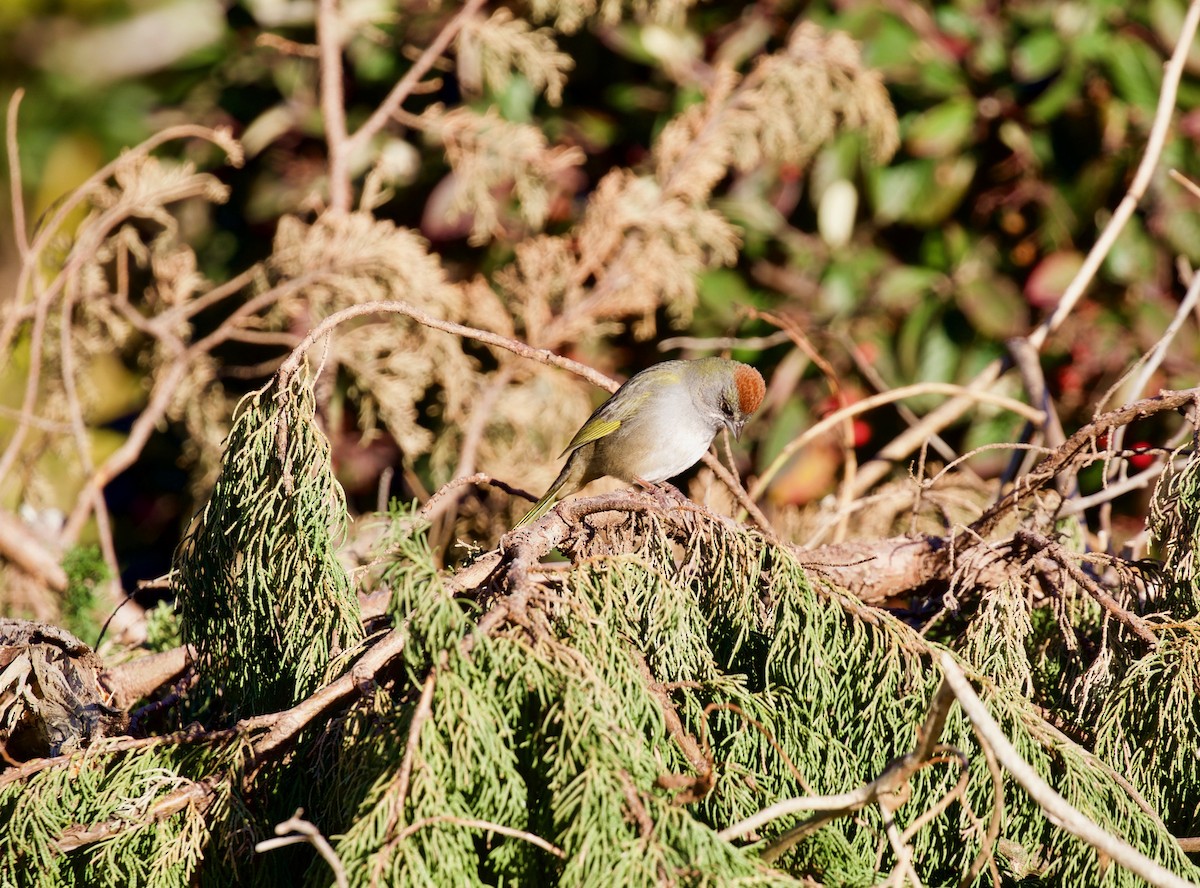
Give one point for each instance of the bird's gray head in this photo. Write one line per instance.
(726, 392)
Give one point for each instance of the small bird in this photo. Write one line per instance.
(658, 424)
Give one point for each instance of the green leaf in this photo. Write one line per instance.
(1066, 88)
(942, 130)
(900, 288)
(1037, 56)
(921, 192)
(1136, 71)
(994, 306)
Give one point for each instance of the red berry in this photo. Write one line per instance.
(1142, 458)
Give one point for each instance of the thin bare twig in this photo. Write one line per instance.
(995, 822)
(166, 382)
(439, 502)
(285, 726)
(721, 343)
(16, 195)
(405, 86)
(801, 341)
(1078, 444)
(1141, 480)
(1183, 180)
(871, 374)
(1057, 809)
(482, 409)
(221, 137)
(1148, 364)
(541, 355)
(701, 763)
(749, 507)
(303, 831)
(21, 546)
(423, 711)
(904, 856)
(887, 786)
(762, 729)
(333, 108)
(500, 829)
(222, 291)
(83, 450)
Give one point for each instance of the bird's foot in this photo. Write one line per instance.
(667, 496)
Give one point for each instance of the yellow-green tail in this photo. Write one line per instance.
(540, 508)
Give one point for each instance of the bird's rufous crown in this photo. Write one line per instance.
(750, 386)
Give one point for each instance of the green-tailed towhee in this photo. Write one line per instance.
(657, 424)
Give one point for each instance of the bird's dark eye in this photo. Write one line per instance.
(726, 408)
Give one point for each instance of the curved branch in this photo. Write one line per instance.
(394, 306)
(1057, 809)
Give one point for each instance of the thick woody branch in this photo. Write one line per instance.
(19, 545)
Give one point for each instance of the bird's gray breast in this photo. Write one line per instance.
(666, 437)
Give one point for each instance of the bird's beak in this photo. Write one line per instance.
(736, 428)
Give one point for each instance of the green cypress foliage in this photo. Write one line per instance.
(262, 595)
(594, 723)
(1149, 727)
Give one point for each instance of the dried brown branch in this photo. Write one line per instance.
(139, 678)
(762, 729)
(166, 383)
(845, 487)
(1075, 447)
(541, 355)
(406, 85)
(127, 620)
(694, 788)
(482, 410)
(107, 746)
(221, 137)
(285, 726)
(995, 822)
(872, 570)
(740, 494)
(281, 729)
(333, 108)
(401, 781)
(21, 546)
(441, 499)
(1060, 556)
(199, 794)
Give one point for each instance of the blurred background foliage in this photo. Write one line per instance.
(1021, 124)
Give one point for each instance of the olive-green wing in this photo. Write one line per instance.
(593, 430)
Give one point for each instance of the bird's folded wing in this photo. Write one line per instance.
(593, 430)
